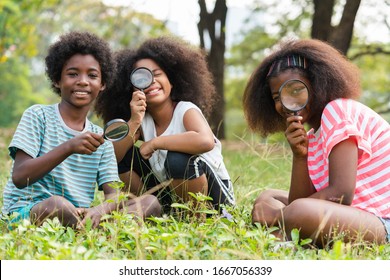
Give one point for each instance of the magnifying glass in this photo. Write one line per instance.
(294, 95)
(141, 78)
(116, 130)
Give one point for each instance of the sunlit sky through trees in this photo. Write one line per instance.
(183, 15)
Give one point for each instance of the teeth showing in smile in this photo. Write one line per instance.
(80, 93)
(154, 91)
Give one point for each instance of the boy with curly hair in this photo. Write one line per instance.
(59, 155)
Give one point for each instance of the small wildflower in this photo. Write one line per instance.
(227, 215)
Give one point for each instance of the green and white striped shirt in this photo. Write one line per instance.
(40, 130)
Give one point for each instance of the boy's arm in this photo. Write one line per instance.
(28, 170)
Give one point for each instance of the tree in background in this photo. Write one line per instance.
(18, 45)
(340, 36)
(332, 21)
(27, 28)
(211, 28)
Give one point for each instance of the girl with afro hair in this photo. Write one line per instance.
(341, 148)
(169, 117)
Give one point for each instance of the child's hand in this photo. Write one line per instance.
(86, 143)
(138, 107)
(296, 136)
(94, 214)
(81, 212)
(146, 149)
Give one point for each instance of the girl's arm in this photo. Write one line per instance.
(343, 160)
(342, 167)
(28, 170)
(197, 139)
(121, 147)
(137, 109)
(301, 185)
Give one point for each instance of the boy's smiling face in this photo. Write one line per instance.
(81, 80)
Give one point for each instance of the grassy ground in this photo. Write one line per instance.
(252, 166)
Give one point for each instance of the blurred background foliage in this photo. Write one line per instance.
(28, 27)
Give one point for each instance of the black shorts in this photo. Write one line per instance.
(179, 166)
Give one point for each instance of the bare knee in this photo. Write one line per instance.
(320, 220)
(297, 212)
(273, 194)
(268, 207)
(182, 187)
(305, 215)
(153, 206)
(144, 206)
(51, 204)
(54, 206)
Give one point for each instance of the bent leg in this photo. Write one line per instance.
(182, 187)
(321, 220)
(143, 206)
(187, 177)
(136, 172)
(268, 207)
(55, 206)
(132, 181)
(135, 185)
(192, 173)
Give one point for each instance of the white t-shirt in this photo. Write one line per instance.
(214, 157)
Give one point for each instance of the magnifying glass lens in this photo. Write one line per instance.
(116, 130)
(294, 95)
(141, 78)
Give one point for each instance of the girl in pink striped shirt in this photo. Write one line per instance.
(340, 181)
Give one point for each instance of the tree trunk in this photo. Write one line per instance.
(211, 28)
(339, 36)
(322, 17)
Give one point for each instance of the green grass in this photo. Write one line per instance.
(253, 166)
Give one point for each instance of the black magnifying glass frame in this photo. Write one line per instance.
(294, 95)
(141, 78)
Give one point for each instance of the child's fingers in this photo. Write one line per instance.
(81, 212)
(98, 137)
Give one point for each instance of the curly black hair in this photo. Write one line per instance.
(330, 73)
(79, 43)
(184, 64)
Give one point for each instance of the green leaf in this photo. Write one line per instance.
(181, 206)
(295, 236)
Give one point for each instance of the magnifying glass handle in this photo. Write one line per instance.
(295, 113)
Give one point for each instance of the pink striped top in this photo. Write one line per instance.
(341, 119)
